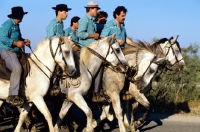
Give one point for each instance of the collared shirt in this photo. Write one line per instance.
(86, 26)
(55, 28)
(9, 32)
(111, 27)
(72, 33)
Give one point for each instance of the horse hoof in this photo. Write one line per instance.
(126, 125)
(94, 123)
(85, 130)
(110, 117)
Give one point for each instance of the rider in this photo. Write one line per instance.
(117, 26)
(100, 20)
(71, 31)
(87, 34)
(11, 42)
(55, 28)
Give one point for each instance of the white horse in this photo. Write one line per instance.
(42, 63)
(170, 48)
(172, 51)
(144, 62)
(104, 50)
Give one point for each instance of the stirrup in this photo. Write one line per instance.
(15, 100)
(97, 97)
(55, 91)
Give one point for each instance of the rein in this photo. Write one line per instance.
(105, 62)
(53, 56)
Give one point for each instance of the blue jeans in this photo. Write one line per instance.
(13, 64)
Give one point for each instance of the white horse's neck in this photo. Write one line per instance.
(44, 59)
(135, 58)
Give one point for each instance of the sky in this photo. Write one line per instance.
(145, 19)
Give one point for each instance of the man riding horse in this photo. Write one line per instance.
(11, 42)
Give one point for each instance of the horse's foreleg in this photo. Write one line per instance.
(42, 107)
(80, 102)
(118, 111)
(127, 113)
(134, 107)
(65, 107)
(144, 102)
(23, 114)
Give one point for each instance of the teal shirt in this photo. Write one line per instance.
(111, 27)
(55, 28)
(70, 32)
(9, 31)
(86, 26)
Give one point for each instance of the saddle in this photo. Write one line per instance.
(23, 58)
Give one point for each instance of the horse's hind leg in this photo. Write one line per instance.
(80, 102)
(42, 107)
(23, 114)
(65, 107)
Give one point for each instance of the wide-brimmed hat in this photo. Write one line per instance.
(93, 4)
(17, 12)
(61, 7)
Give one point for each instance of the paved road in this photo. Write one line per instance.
(155, 123)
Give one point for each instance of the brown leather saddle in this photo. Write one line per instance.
(23, 58)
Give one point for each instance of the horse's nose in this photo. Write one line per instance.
(72, 72)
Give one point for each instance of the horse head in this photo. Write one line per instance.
(63, 55)
(172, 51)
(147, 71)
(114, 54)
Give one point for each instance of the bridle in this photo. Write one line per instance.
(105, 62)
(53, 56)
(168, 46)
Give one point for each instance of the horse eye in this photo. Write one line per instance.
(151, 70)
(67, 52)
(117, 50)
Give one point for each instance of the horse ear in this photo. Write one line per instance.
(113, 38)
(61, 40)
(173, 40)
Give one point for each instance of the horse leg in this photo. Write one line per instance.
(126, 111)
(144, 102)
(23, 114)
(80, 102)
(134, 110)
(64, 109)
(42, 107)
(106, 114)
(118, 111)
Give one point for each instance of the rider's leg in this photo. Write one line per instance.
(13, 64)
(98, 97)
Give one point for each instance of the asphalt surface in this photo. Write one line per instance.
(154, 123)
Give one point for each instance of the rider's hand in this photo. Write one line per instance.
(121, 42)
(27, 42)
(19, 44)
(95, 36)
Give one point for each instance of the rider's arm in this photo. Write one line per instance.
(5, 31)
(130, 42)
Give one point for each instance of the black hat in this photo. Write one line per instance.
(61, 7)
(17, 12)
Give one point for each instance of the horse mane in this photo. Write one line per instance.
(40, 44)
(143, 45)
